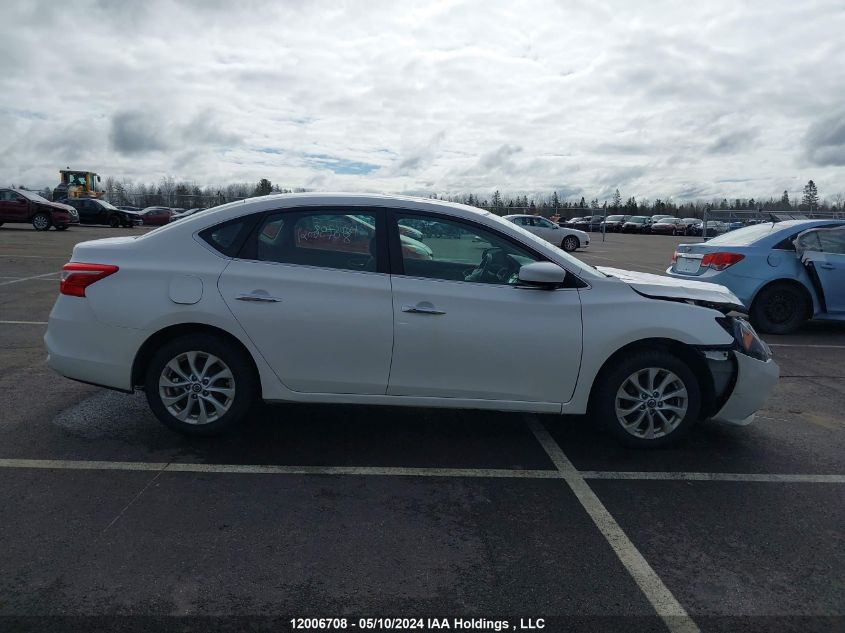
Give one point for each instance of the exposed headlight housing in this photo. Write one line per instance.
(747, 340)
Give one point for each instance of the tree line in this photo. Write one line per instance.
(170, 192)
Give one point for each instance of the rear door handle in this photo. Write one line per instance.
(422, 308)
(257, 297)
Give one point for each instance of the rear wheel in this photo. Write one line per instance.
(41, 221)
(570, 243)
(200, 385)
(780, 308)
(648, 399)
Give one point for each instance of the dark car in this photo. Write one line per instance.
(637, 224)
(93, 211)
(669, 226)
(570, 222)
(129, 207)
(21, 205)
(156, 216)
(589, 223)
(614, 223)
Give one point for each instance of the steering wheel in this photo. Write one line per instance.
(496, 266)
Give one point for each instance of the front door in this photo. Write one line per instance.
(311, 291)
(464, 330)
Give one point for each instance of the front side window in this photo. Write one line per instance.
(469, 253)
(344, 241)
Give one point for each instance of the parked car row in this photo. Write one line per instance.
(654, 224)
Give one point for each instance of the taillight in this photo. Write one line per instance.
(720, 261)
(675, 257)
(77, 277)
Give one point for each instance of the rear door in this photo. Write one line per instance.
(15, 207)
(310, 288)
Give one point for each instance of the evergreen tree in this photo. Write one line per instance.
(784, 200)
(263, 188)
(810, 201)
(617, 201)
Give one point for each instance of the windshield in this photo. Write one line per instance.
(615, 218)
(31, 195)
(576, 263)
(638, 219)
(108, 205)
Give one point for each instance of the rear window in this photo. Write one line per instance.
(747, 235)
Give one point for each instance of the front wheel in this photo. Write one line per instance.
(200, 385)
(41, 221)
(648, 399)
(570, 243)
(114, 221)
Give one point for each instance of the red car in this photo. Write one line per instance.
(21, 205)
(156, 216)
(669, 226)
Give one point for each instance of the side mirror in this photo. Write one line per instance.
(543, 275)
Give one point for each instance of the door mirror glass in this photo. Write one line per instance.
(542, 275)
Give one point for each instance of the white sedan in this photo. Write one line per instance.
(321, 298)
(568, 239)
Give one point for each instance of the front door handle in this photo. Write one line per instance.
(257, 297)
(422, 308)
(827, 266)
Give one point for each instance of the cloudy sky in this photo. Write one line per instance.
(661, 99)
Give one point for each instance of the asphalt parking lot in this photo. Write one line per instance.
(108, 520)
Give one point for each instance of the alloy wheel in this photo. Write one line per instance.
(196, 387)
(41, 221)
(570, 244)
(651, 403)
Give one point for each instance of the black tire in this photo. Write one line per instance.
(244, 382)
(61, 227)
(41, 221)
(114, 222)
(610, 382)
(570, 243)
(780, 308)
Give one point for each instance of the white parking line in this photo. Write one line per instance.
(740, 477)
(258, 469)
(668, 608)
(802, 345)
(23, 322)
(15, 281)
(399, 471)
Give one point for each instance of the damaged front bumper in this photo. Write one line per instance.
(744, 374)
(742, 385)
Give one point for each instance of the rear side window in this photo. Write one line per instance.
(227, 238)
(343, 241)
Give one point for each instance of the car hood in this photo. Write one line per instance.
(671, 289)
(57, 205)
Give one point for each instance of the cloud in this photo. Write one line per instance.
(825, 140)
(137, 132)
(446, 97)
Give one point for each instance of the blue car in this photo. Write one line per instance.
(759, 264)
